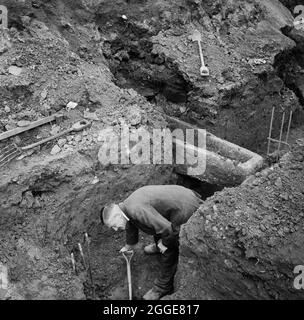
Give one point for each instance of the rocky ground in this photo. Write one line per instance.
(114, 62)
(245, 242)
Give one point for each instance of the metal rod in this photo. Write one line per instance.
(289, 124)
(73, 262)
(281, 132)
(8, 152)
(5, 160)
(275, 140)
(9, 147)
(270, 130)
(89, 263)
(82, 255)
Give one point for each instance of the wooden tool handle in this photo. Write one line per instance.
(35, 124)
(201, 53)
(31, 146)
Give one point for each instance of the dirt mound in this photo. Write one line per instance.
(244, 243)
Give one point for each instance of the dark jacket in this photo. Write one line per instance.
(159, 210)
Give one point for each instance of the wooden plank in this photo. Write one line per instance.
(35, 124)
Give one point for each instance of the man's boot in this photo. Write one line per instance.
(156, 293)
(151, 249)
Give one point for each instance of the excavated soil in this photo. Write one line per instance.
(132, 62)
(245, 242)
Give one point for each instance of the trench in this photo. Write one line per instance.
(45, 216)
(109, 266)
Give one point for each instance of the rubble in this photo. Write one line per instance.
(56, 149)
(91, 116)
(23, 123)
(16, 71)
(71, 105)
(61, 142)
(5, 43)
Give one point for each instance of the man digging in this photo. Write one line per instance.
(158, 210)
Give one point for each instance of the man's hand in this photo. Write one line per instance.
(127, 247)
(161, 247)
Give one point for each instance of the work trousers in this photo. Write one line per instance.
(168, 261)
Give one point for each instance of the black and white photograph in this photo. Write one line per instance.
(151, 153)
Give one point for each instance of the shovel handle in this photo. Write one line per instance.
(201, 53)
(128, 256)
(34, 145)
(78, 126)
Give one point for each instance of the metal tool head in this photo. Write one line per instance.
(8, 154)
(204, 71)
(81, 125)
(196, 36)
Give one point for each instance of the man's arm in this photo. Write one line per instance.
(131, 237)
(131, 234)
